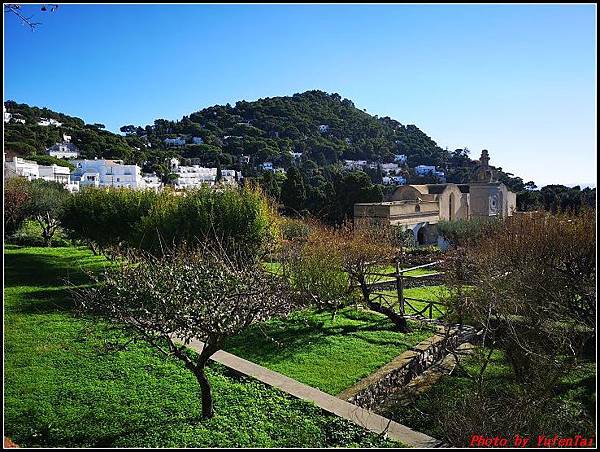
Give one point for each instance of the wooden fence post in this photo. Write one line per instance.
(400, 287)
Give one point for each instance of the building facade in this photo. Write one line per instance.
(19, 167)
(420, 207)
(196, 176)
(107, 173)
(64, 150)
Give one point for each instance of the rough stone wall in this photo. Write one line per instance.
(374, 389)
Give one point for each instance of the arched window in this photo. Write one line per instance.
(417, 208)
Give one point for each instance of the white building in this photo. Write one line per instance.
(196, 175)
(179, 141)
(197, 140)
(323, 128)
(296, 155)
(45, 122)
(267, 166)
(394, 180)
(31, 170)
(423, 170)
(400, 158)
(390, 168)
(230, 176)
(152, 181)
(66, 138)
(22, 168)
(244, 159)
(107, 173)
(7, 115)
(355, 164)
(60, 174)
(64, 150)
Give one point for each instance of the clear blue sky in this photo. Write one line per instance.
(517, 80)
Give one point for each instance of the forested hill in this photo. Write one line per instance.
(326, 128)
(272, 127)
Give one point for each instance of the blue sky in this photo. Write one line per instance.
(517, 80)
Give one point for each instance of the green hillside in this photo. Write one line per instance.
(325, 128)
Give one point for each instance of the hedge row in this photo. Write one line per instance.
(240, 219)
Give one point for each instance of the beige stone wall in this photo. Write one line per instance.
(397, 212)
(511, 202)
(482, 197)
(451, 204)
(465, 206)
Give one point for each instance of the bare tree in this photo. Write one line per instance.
(332, 263)
(187, 294)
(15, 8)
(529, 287)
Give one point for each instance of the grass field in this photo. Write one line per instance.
(65, 386)
(328, 354)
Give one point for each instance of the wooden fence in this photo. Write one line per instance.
(400, 280)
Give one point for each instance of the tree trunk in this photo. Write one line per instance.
(398, 320)
(205, 394)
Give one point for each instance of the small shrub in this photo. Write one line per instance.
(292, 229)
(16, 197)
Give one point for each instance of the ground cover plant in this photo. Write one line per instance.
(189, 293)
(67, 385)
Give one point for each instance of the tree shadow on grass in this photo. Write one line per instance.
(43, 301)
(282, 339)
(42, 270)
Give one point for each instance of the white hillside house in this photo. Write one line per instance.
(390, 168)
(19, 167)
(355, 164)
(400, 158)
(324, 128)
(64, 150)
(179, 141)
(45, 122)
(195, 176)
(107, 173)
(424, 170)
(7, 115)
(152, 181)
(197, 140)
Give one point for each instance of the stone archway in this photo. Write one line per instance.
(421, 235)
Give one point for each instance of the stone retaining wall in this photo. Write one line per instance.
(374, 389)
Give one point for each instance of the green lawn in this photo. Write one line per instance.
(329, 355)
(66, 387)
